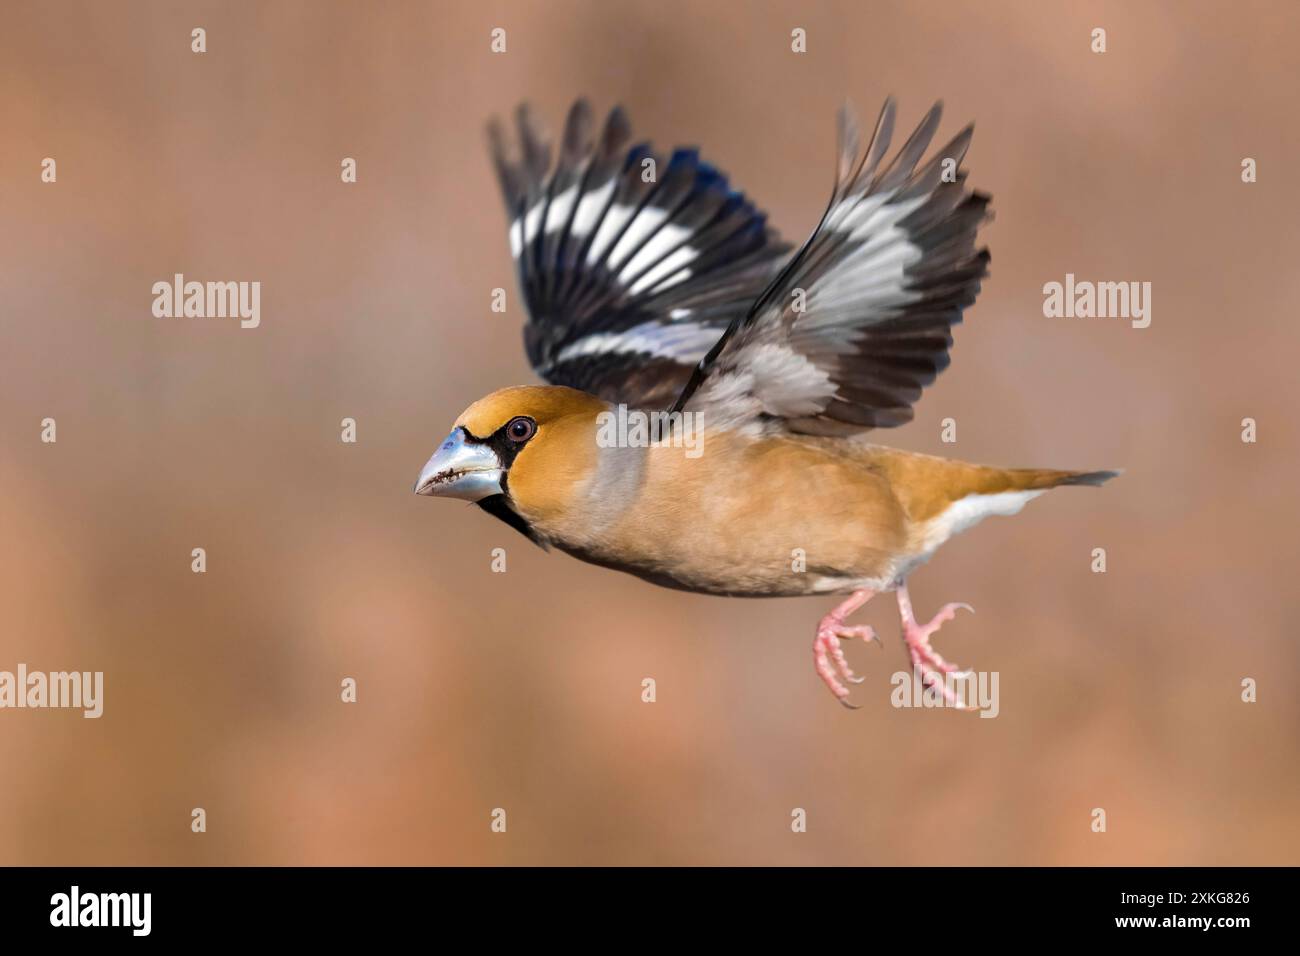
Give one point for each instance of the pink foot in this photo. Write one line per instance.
(828, 653)
(925, 658)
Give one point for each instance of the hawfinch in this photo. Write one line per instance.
(711, 388)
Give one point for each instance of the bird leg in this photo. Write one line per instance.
(827, 649)
(926, 659)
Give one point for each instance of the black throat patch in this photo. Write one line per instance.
(499, 506)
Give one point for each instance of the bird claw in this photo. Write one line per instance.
(833, 667)
(933, 668)
(828, 656)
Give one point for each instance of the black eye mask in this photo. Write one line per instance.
(500, 506)
(500, 442)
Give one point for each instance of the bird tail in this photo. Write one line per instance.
(929, 485)
(1036, 478)
(985, 480)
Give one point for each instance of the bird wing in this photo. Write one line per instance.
(630, 271)
(859, 320)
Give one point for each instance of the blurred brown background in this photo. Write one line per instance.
(522, 690)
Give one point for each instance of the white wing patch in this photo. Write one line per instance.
(873, 214)
(874, 276)
(649, 251)
(684, 342)
(666, 269)
(591, 206)
(610, 226)
(645, 242)
(638, 233)
(557, 213)
(524, 230)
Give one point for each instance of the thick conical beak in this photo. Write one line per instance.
(461, 468)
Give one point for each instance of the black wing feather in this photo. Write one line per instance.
(628, 281)
(884, 276)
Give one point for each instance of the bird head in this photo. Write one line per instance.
(519, 453)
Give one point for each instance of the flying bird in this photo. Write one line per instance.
(656, 289)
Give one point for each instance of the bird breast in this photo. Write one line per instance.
(757, 517)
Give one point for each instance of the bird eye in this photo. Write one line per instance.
(521, 429)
